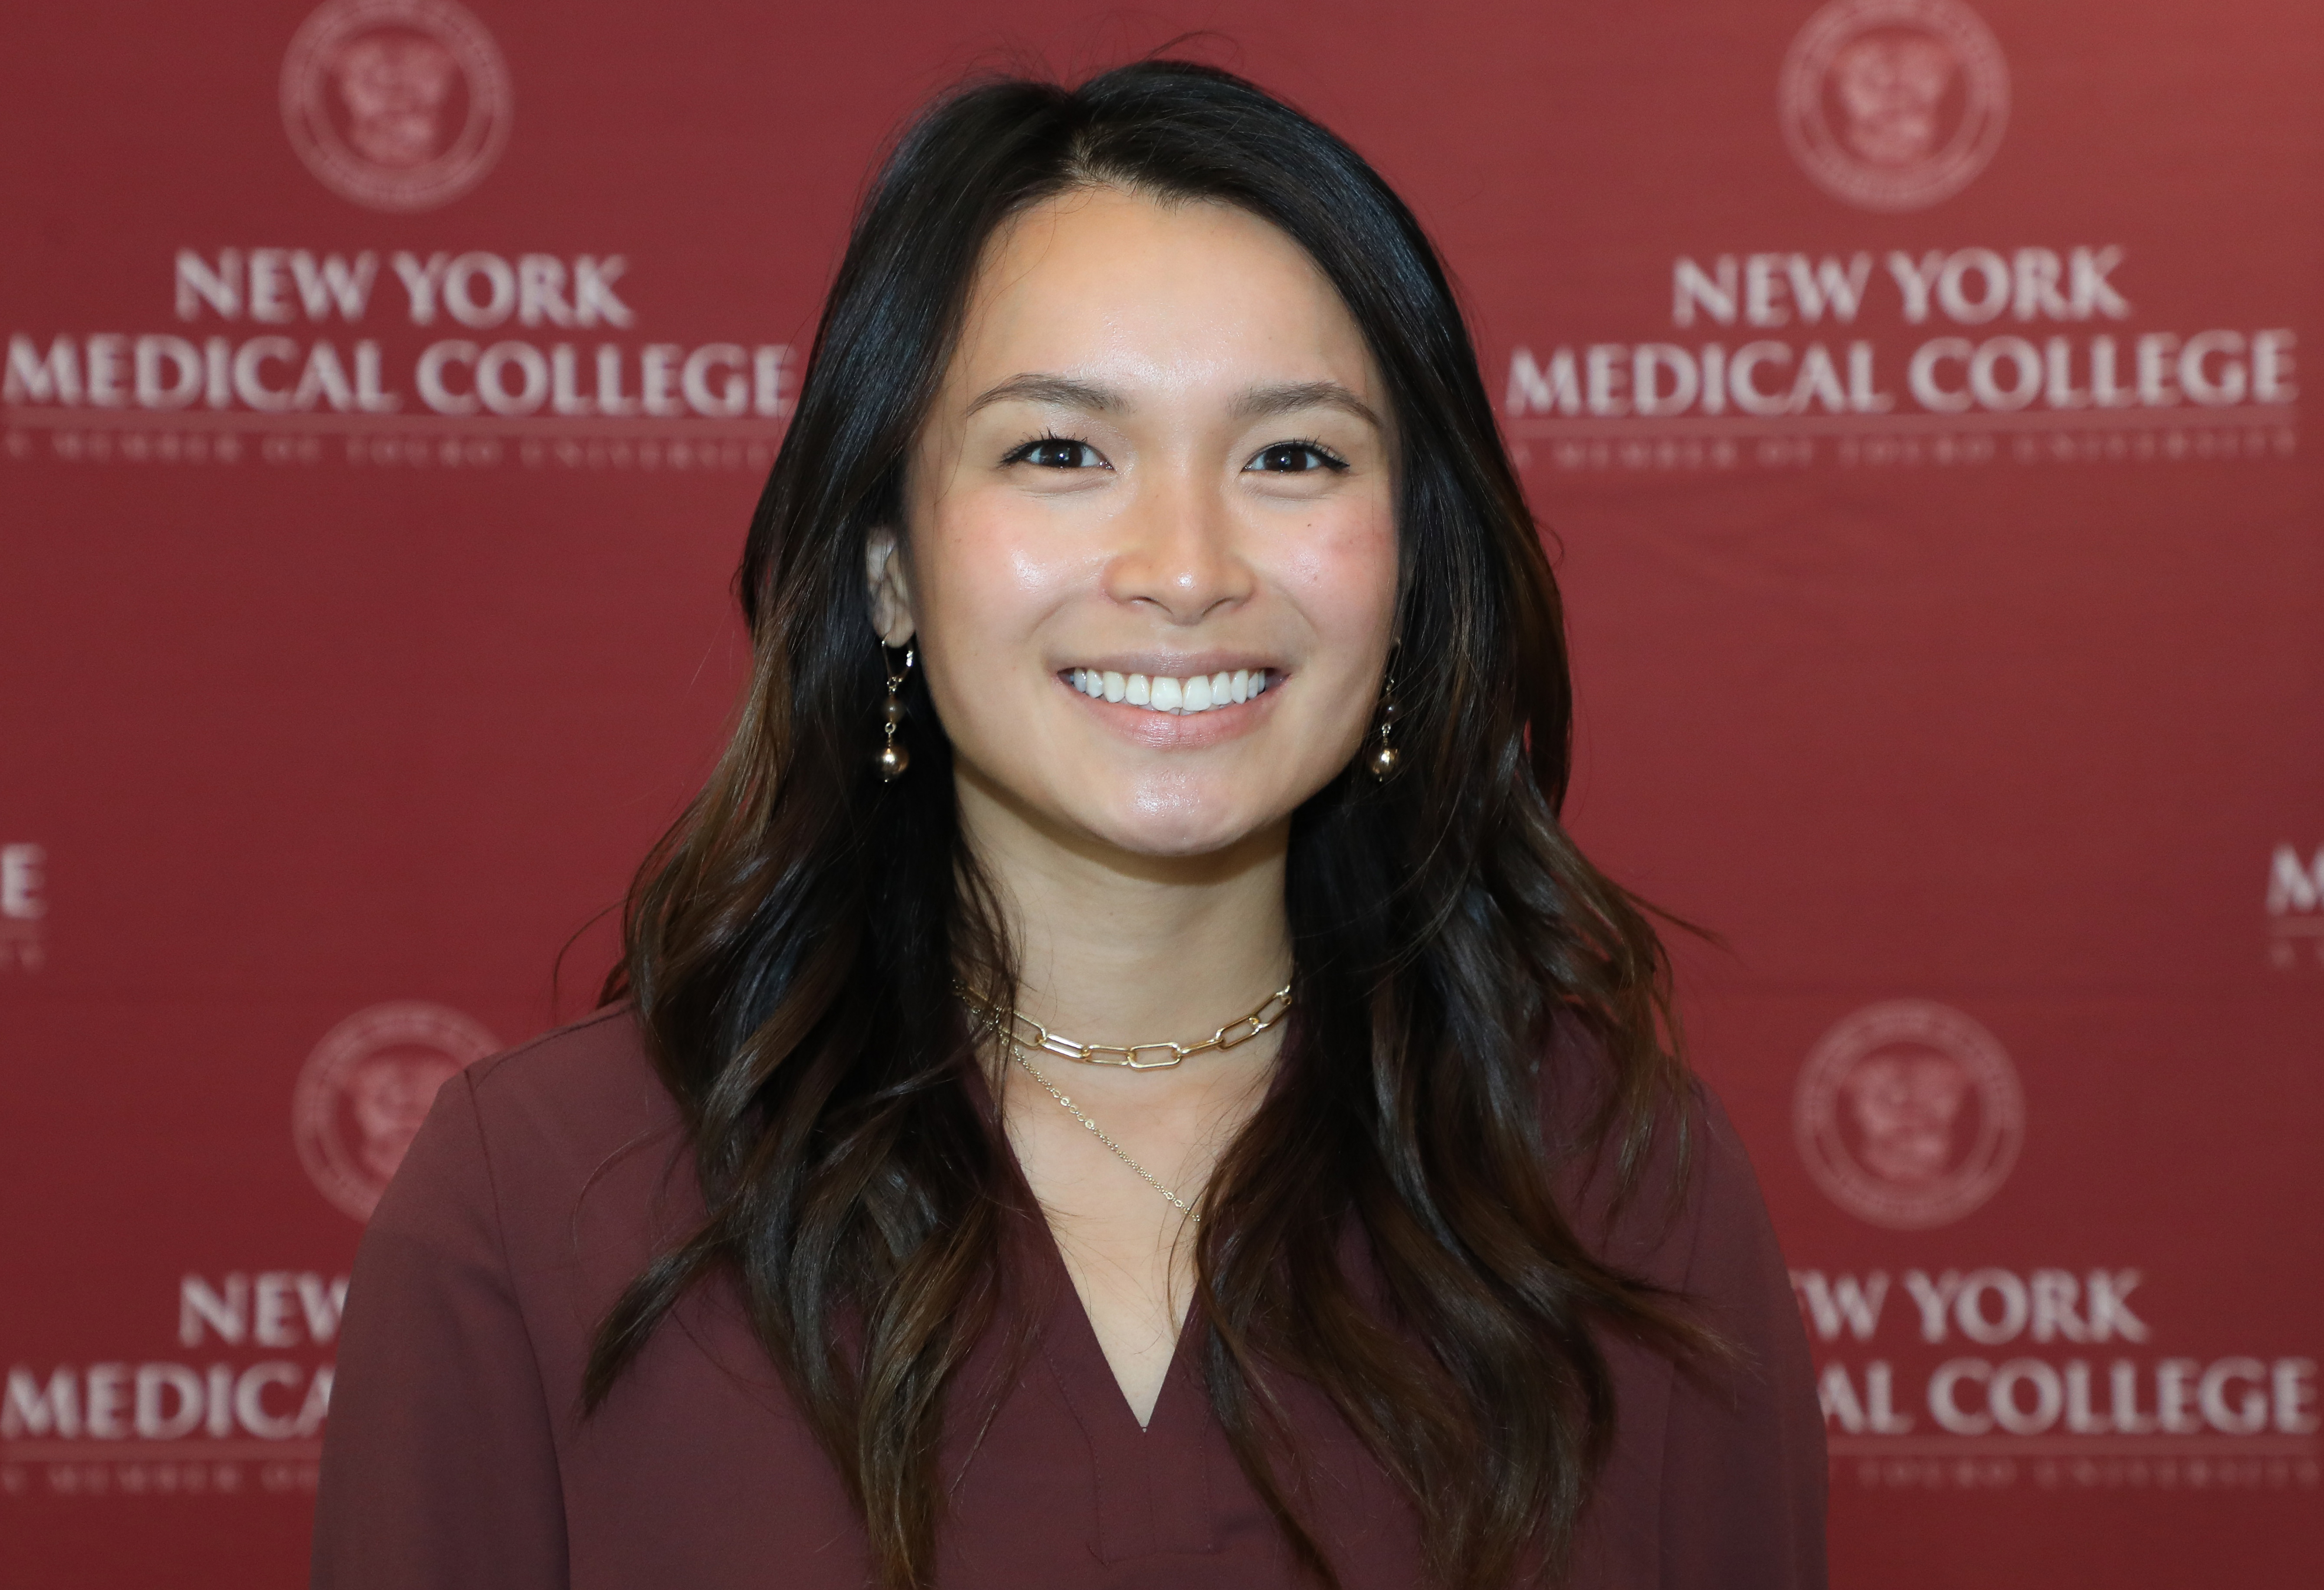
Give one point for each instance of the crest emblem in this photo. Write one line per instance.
(1893, 104)
(367, 1087)
(397, 104)
(1908, 1115)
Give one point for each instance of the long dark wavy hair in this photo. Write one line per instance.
(791, 942)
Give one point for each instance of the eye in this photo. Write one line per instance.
(1057, 453)
(1296, 459)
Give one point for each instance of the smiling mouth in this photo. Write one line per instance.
(1178, 698)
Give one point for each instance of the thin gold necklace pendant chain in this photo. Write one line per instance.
(1019, 1032)
(1022, 1029)
(1121, 1154)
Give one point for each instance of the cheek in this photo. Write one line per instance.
(986, 576)
(1341, 572)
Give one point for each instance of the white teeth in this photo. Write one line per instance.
(1198, 692)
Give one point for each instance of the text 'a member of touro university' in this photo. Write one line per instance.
(533, 372)
(2104, 366)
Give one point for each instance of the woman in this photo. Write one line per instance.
(1152, 646)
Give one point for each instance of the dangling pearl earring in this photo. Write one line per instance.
(893, 759)
(1384, 760)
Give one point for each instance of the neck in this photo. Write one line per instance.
(1114, 947)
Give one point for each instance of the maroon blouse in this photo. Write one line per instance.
(545, 1178)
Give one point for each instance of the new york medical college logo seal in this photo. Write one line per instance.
(367, 1087)
(1908, 1115)
(1893, 105)
(397, 104)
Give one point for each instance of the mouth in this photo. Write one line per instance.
(1185, 696)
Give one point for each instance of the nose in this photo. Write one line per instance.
(1178, 556)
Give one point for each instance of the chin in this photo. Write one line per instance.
(1179, 823)
(1178, 847)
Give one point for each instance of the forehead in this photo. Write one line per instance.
(1103, 279)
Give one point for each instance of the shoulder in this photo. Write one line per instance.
(468, 1317)
(1717, 1476)
(1744, 1472)
(1733, 1264)
(583, 1089)
(1689, 1183)
(1690, 1221)
(522, 1141)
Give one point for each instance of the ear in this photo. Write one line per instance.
(889, 585)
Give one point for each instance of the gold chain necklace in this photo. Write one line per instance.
(1016, 1030)
(1019, 1029)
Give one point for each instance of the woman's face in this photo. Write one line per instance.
(1149, 559)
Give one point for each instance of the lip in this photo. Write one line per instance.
(1169, 732)
(1176, 665)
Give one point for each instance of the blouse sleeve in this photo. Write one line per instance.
(439, 1465)
(1744, 1471)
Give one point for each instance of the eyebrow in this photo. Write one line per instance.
(1255, 403)
(1058, 391)
(1259, 402)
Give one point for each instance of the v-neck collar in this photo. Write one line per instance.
(1152, 1483)
(1070, 1341)
(1054, 1305)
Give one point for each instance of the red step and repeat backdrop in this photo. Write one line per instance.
(1913, 388)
